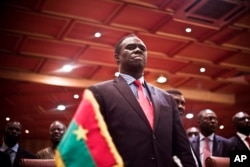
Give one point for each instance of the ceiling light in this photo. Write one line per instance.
(67, 68)
(76, 96)
(202, 69)
(161, 79)
(61, 107)
(7, 118)
(188, 30)
(117, 74)
(27, 131)
(98, 34)
(221, 127)
(189, 115)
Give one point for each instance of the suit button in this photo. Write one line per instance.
(154, 137)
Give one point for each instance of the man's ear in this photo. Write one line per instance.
(117, 59)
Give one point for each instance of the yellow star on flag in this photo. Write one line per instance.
(81, 133)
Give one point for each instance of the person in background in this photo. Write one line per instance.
(179, 98)
(192, 132)
(181, 105)
(241, 139)
(56, 132)
(144, 137)
(207, 143)
(10, 144)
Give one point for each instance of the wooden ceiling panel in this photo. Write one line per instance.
(9, 42)
(104, 73)
(54, 67)
(18, 62)
(87, 10)
(168, 65)
(27, 4)
(50, 48)
(238, 61)
(203, 53)
(241, 41)
(84, 33)
(31, 23)
(212, 71)
(237, 88)
(197, 33)
(98, 55)
(161, 44)
(204, 84)
(153, 17)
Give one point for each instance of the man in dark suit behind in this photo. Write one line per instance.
(241, 122)
(10, 146)
(140, 143)
(218, 145)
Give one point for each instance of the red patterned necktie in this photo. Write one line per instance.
(206, 151)
(145, 103)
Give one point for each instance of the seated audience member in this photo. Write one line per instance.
(56, 132)
(192, 132)
(10, 146)
(207, 143)
(241, 140)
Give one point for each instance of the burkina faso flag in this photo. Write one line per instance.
(87, 142)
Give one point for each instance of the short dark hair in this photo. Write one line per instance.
(174, 91)
(118, 44)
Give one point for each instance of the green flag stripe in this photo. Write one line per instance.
(74, 153)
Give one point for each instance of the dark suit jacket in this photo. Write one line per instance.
(221, 146)
(4, 160)
(21, 153)
(137, 143)
(239, 145)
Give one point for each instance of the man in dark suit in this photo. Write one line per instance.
(141, 141)
(241, 122)
(181, 105)
(10, 146)
(216, 145)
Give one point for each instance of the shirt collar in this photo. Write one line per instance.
(241, 135)
(210, 137)
(14, 148)
(129, 79)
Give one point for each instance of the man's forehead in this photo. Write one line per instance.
(131, 40)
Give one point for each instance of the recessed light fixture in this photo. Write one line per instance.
(117, 74)
(221, 127)
(67, 68)
(189, 115)
(7, 118)
(76, 96)
(202, 69)
(188, 30)
(61, 107)
(27, 131)
(161, 79)
(98, 34)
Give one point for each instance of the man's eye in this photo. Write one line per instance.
(131, 47)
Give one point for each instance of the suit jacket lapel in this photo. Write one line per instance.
(122, 86)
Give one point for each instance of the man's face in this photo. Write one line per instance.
(242, 122)
(13, 131)
(180, 101)
(208, 122)
(57, 131)
(133, 54)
